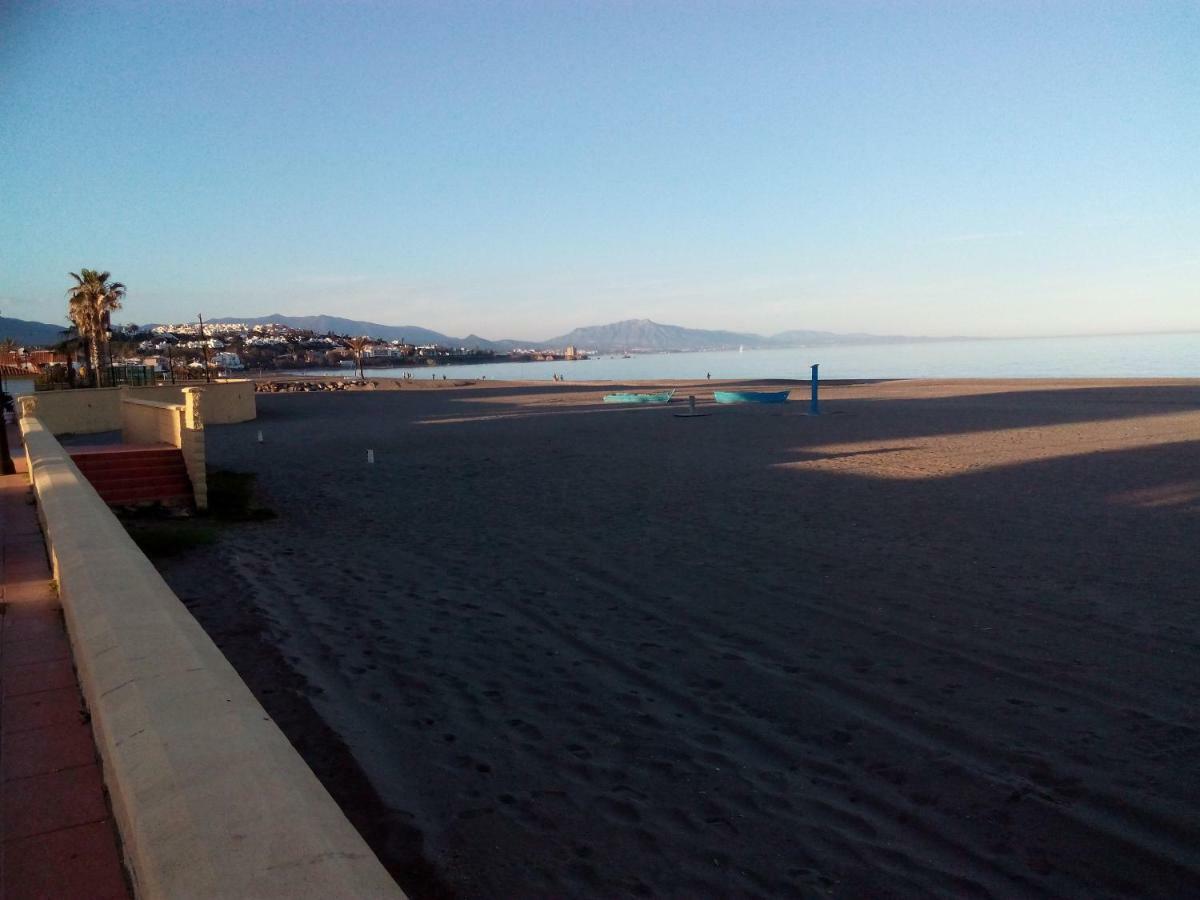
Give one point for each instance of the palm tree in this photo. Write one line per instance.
(90, 302)
(357, 346)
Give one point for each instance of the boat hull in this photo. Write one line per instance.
(751, 396)
(656, 397)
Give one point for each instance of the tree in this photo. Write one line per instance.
(90, 302)
(357, 346)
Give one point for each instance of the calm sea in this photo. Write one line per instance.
(1122, 356)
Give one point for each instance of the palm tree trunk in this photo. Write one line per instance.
(94, 356)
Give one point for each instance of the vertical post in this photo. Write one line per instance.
(814, 406)
(192, 439)
(201, 318)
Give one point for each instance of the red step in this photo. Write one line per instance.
(149, 466)
(103, 476)
(152, 458)
(131, 475)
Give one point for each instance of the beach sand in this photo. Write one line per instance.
(941, 641)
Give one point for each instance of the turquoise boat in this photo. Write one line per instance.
(751, 396)
(655, 397)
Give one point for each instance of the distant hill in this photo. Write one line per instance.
(31, 334)
(631, 335)
(642, 335)
(413, 334)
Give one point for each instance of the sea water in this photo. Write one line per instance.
(1109, 356)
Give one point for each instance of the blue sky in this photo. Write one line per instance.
(518, 169)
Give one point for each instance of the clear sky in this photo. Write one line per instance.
(518, 169)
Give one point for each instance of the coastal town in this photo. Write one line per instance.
(133, 353)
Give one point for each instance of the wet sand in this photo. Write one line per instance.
(943, 640)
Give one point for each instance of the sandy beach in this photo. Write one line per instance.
(941, 641)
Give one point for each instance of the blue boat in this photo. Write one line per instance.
(626, 397)
(751, 396)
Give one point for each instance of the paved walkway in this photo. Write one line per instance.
(57, 836)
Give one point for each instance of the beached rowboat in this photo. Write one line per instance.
(750, 396)
(627, 397)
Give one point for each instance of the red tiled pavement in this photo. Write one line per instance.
(57, 837)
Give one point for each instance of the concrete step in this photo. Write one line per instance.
(103, 474)
(111, 457)
(133, 465)
(135, 475)
(99, 475)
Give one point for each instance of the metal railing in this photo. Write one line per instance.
(56, 378)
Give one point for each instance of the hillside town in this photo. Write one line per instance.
(189, 350)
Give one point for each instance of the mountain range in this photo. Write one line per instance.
(629, 336)
(31, 334)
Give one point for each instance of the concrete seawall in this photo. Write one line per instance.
(91, 410)
(210, 798)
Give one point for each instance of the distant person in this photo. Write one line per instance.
(708, 375)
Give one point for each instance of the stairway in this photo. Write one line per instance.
(136, 475)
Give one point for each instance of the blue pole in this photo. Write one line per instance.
(814, 407)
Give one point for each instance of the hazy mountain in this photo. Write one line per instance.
(474, 341)
(31, 334)
(632, 335)
(413, 334)
(800, 338)
(644, 335)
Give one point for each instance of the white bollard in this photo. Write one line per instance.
(370, 456)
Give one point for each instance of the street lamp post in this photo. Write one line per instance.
(204, 345)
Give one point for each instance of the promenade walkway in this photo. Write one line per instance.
(57, 836)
